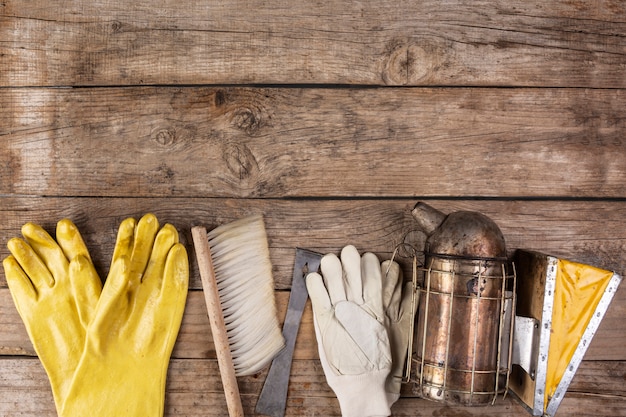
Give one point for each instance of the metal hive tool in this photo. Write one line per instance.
(273, 398)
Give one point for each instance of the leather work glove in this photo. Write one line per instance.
(129, 341)
(55, 310)
(397, 298)
(352, 341)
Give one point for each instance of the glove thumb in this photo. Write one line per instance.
(367, 332)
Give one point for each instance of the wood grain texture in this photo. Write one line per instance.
(494, 43)
(277, 143)
(193, 389)
(332, 119)
(591, 232)
(195, 338)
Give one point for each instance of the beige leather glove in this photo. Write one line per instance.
(55, 316)
(349, 326)
(123, 366)
(397, 298)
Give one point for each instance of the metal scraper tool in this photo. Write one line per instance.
(273, 398)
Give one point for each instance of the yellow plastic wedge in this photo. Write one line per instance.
(578, 290)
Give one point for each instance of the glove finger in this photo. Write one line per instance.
(124, 240)
(145, 233)
(175, 284)
(320, 299)
(47, 248)
(372, 284)
(86, 287)
(164, 304)
(21, 287)
(31, 263)
(399, 333)
(392, 288)
(407, 298)
(176, 270)
(114, 299)
(332, 273)
(366, 331)
(70, 240)
(164, 241)
(351, 263)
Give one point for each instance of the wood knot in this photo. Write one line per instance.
(219, 98)
(240, 160)
(406, 62)
(248, 119)
(165, 172)
(116, 26)
(164, 137)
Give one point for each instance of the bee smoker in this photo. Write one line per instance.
(465, 291)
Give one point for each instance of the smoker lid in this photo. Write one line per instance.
(467, 233)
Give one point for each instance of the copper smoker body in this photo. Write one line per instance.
(460, 304)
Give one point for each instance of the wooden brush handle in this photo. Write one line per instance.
(216, 319)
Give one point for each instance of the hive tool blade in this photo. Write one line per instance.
(273, 399)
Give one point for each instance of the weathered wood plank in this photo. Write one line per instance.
(326, 166)
(195, 340)
(592, 232)
(276, 143)
(194, 389)
(589, 232)
(498, 43)
(601, 377)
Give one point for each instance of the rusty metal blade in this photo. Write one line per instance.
(273, 399)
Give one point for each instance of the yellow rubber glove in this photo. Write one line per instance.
(38, 275)
(128, 344)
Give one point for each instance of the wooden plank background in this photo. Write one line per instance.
(332, 119)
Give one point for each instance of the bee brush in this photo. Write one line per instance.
(238, 287)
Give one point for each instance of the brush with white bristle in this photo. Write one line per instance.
(238, 288)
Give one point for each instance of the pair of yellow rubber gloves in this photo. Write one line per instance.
(106, 349)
